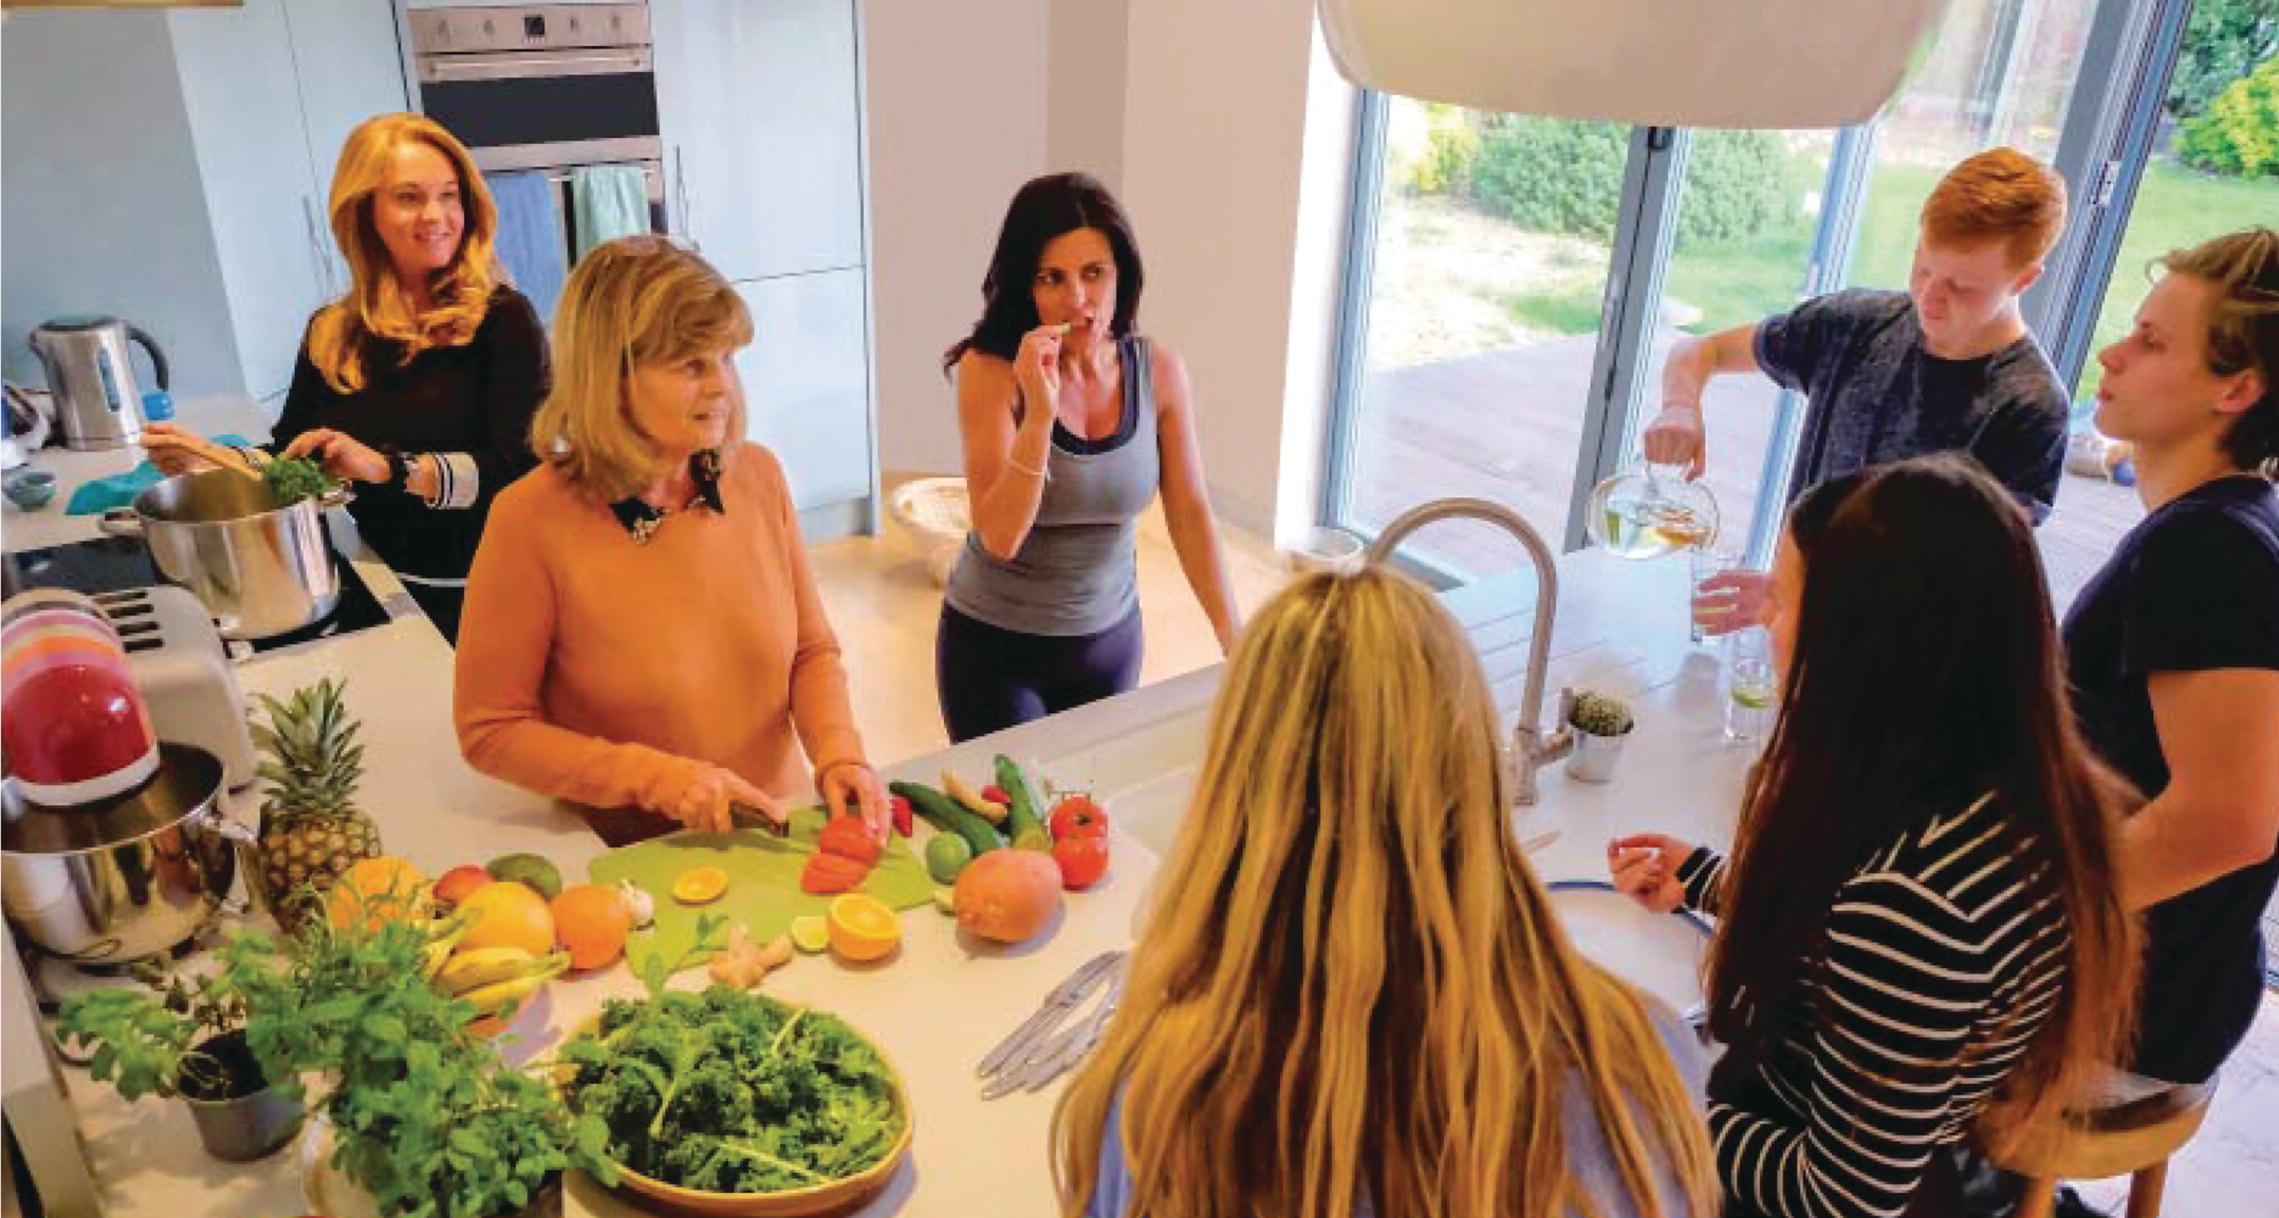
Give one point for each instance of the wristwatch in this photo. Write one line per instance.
(399, 471)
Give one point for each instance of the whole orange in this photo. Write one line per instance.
(376, 891)
(507, 913)
(592, 922)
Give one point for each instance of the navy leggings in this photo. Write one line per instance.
(990, 678)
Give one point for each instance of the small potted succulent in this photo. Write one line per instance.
(1601, 723)
(187, 1039)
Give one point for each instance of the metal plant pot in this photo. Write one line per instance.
(241, 1128)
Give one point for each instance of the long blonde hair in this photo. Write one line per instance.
(631, 302)
(375, 306)
(1351, 985)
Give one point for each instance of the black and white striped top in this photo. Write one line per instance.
(1941, 966)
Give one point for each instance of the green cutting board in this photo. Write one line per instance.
(763, 882)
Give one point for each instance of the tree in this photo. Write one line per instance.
(2223, 42)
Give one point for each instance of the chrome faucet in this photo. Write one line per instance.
(1531, 747)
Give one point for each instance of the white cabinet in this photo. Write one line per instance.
(806, 380)
(761, 109)
(253, 166)
(345, 63)
(222, 121)
(272, 89)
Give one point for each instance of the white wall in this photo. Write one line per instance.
(1216, 142)
(1091, 43)
(95, 130)
(956, 107)
(1228, 135)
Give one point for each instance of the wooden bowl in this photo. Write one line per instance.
(842, 1196)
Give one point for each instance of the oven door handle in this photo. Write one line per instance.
(530, 65)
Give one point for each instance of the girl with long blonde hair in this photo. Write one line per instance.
(644, 637)
(420, 382)
(1352, 995)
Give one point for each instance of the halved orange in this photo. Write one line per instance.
(862, 927)
(700, 884)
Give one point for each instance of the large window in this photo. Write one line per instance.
(1517, 281)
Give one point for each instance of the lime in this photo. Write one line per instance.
(1754, 699)
(536, 871)
(946, 856)
(810, 934)
(945, 899)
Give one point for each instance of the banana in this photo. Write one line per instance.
(478, 967)
(443, 939)
(499, 997)
(957, 789)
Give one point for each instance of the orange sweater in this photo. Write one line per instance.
(602, 671)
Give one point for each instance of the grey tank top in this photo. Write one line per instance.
(1077, 572)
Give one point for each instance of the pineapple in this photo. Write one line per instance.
(311, 829)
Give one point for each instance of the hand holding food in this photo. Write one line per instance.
(1036, 369)
(343, 455)
(853, 788)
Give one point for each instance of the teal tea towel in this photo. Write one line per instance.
(119, 490)
(530, 236)
(607, 202)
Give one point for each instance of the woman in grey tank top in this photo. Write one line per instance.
(1071, 422)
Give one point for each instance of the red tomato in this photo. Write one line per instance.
(1078, 816)
(1083, 860)
(848, 838)
(829, 873)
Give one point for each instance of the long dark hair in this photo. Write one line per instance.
(1043, 209)
(1925, 673)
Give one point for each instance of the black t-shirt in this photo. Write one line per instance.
(474, 400)
(1876, 395)
(2195, 586)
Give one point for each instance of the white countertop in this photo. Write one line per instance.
(943, 1001)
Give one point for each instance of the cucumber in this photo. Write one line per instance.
(947, 815)
(1023, 823)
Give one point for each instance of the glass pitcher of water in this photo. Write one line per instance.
(1648, 511)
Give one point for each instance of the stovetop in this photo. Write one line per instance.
(114, 564)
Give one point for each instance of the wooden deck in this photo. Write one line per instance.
(1506, 426)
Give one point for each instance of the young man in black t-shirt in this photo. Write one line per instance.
(2173, 648)
(1945, 366)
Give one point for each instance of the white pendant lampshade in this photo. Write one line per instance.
(1690, 63)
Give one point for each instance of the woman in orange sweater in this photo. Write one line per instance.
(642, 634)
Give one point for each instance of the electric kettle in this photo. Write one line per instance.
(97, 403)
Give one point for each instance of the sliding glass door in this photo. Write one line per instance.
(1515, 283)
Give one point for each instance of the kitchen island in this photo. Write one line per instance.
(943, 999)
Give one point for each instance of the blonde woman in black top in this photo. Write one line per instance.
(420, 383)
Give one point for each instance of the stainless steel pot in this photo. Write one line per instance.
(260, 569)
(126, 877)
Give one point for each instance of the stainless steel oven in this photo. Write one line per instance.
(547, 86)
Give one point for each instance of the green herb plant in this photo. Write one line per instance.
(147, 1041)
(729, 1091)
(426, 1117)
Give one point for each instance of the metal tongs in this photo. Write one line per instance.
(1042, 1049)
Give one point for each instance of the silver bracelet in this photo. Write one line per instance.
(1039, 470)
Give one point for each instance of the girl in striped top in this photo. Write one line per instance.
(1920, 940)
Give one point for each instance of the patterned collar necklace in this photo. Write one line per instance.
(642, 520)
